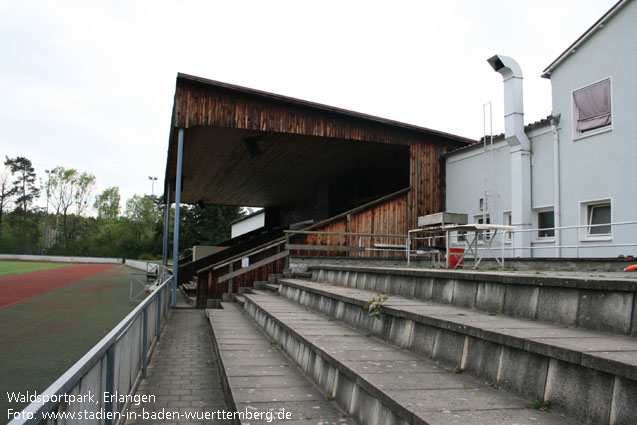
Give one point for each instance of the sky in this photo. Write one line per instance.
(90, 84)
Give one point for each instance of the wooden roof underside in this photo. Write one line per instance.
(298, 143)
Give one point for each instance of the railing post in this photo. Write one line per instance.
(110, 383)
(158, 326)
(286, 260)
(408, 246)
(144, 341)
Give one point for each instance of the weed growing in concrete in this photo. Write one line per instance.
(539, 405)
(375, 306)
(277, 293)
(331, 319)
(329, 397)
(457, 369)
(494, 383)
(492, 313)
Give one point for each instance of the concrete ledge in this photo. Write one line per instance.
(257, 377)
(350, 367)
(608, 305)
(492, 347)
(61, 259)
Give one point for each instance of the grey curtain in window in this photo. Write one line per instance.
(593, 103)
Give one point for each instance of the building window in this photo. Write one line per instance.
(597, 216)
(599, 219)
(506, 220)
(483, 219)
(592, 109)
(544, 222)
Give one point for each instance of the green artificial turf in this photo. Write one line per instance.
(8, 268)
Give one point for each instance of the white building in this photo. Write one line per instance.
(254, 220)
(574, 168)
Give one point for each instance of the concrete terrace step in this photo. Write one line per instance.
(590, 301)
(379, 383)
(257, 377)
(588, 375)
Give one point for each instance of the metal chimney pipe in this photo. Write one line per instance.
(513, 100)
(520, 151)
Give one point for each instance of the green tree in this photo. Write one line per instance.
(206, 225)
(107, 204)
(24, 186)
(70, 193)
(142, 216)
(6, 192)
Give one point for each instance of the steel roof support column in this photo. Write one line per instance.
(180, 157)
(166, 227)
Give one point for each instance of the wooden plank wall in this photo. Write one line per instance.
(390, 217)
(208, 282)
(208, 105)
(427, 182)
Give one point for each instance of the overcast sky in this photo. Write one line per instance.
(90, 84)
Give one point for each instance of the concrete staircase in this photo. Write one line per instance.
(260, 381)
(458, 347)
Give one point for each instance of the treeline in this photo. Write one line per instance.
(77, 221)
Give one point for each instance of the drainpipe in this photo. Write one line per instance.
(520, 151)
(556, 185)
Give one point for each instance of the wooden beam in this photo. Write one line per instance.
(253, 266)
(324, 248)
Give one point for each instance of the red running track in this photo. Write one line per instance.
(21, 287)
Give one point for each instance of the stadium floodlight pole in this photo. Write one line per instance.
(166, 227)
(180, 154)
(152, 185)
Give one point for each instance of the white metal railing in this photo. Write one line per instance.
(116, 364)
(583, 236)
(403, 248)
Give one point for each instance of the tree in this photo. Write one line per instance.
(207, 225)
(6, 192)
(69, 188)
(107, 204)
(23, 186)
(84, 186)
(142, 216)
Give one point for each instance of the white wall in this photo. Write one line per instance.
(601, 166)
(249, 224)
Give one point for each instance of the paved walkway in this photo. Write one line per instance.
(182, 375)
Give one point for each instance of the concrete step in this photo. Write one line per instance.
(271, 287)
(590, 301)
(239, 299)
(590, 376)
(258, 378)
(379, 383)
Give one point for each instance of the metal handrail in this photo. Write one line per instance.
(33, 413)
(371, 235)
(594, 242)
(236, 257)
